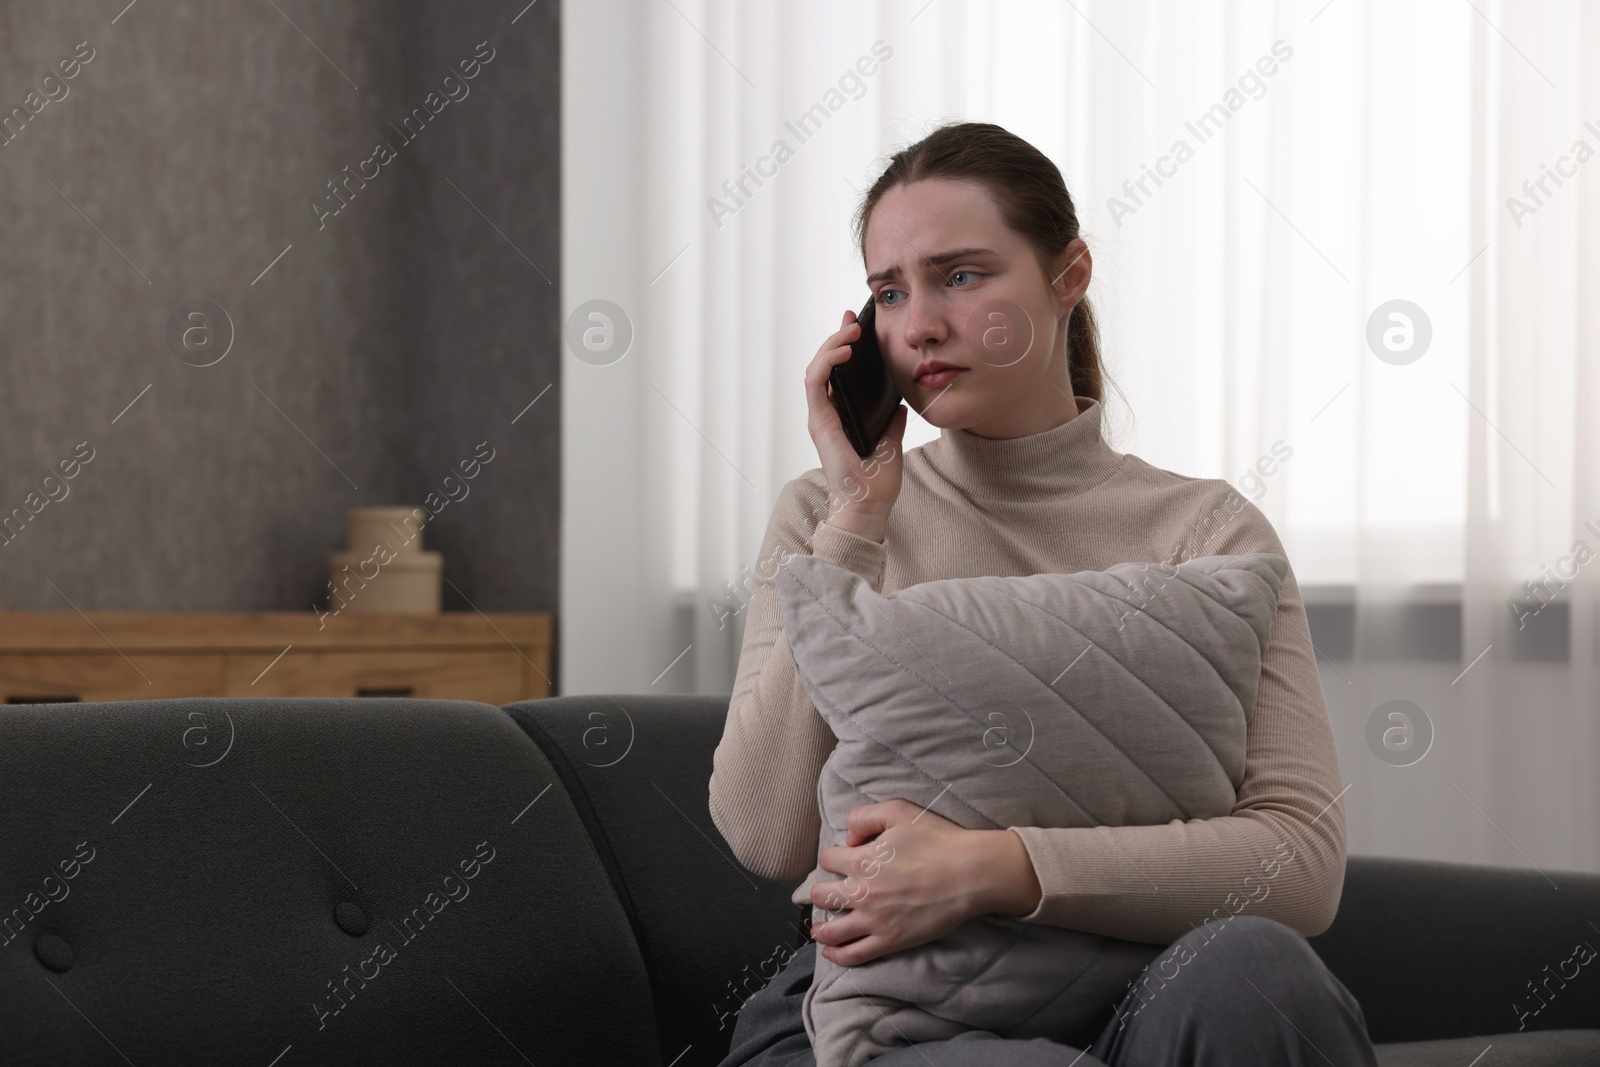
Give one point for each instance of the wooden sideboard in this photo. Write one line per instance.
(49, 656)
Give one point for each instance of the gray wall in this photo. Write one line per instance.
(394, 339)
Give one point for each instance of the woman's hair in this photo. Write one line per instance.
(1032, 198)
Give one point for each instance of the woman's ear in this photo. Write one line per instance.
(1070, 276)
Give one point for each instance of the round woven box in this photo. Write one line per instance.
(399, 528)
(404, 584)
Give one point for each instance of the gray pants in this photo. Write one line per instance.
(1253, 991)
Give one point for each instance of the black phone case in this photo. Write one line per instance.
(863, 392)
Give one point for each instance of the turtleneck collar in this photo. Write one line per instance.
(1060, 461)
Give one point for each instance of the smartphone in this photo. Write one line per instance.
(864, 394)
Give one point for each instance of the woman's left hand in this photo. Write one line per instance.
(913, 883)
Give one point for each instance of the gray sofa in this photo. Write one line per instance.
(283, 882)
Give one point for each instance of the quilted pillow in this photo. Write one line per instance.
(1116, 697)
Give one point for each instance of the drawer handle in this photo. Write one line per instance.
(42, 700)
(384, 691)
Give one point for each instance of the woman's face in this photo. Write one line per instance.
(954, 285)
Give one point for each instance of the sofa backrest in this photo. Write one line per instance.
(1435, 950)
(711, 933)
(280, 881)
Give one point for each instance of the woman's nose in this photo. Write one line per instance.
(925, 322)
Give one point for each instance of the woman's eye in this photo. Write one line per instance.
(968, 273)
(883, 297)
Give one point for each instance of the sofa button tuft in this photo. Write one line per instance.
(54, 953)
(351, 919)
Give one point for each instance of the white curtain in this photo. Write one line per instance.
(1377, 251)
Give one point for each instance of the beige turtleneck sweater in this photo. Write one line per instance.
(1057, 501)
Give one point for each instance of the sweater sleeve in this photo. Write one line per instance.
(763, 787)
(1281, 852)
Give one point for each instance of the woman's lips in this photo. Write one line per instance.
(939, 378)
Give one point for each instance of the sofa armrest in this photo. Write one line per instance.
(1436, 950)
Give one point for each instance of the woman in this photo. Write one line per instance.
(971, 245)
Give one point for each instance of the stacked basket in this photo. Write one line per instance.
(385, 568)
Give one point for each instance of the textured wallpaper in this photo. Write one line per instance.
(264, 262)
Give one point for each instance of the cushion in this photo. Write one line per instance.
(1115, 697)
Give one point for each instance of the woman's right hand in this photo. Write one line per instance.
(861, 490)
